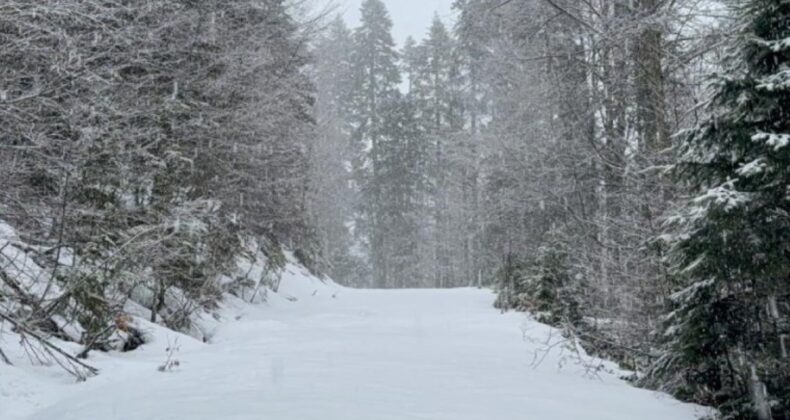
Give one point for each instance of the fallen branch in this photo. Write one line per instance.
(92, 371)
(95, 339)
(5, 358)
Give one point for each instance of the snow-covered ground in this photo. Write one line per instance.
(328, 353)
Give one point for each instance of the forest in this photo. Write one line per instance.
(618, 169)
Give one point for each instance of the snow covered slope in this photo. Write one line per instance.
(338, 354)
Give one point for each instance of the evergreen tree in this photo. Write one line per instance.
(728, 330)
(332, 198)
(472, 56)
(432, 67)
(544, 285)
(413, 62)
(438, 75)
(376, 80)
(404, 184)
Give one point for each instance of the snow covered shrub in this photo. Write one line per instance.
(543, 286)
(197, 248)
(510, 279)
(258, 270)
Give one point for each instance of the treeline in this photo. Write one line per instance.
(144, 147)
(544, 146)
(408, 178)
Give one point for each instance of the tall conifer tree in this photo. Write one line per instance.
(729, 327)
(376, 80)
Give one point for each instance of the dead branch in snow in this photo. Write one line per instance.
(51, 352)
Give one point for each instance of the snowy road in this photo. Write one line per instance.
(364, 355)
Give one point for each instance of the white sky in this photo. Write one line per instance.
(410, 17)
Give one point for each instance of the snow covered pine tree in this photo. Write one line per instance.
(728, 333)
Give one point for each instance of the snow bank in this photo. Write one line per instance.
(298, 283)
(19, 266)
(33, 382)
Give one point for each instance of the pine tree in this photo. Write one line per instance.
(332, 199)
(376, 79)
(543, 285)
(413, 62)
(728, 330)
(432, 67)
(404, 185)
(472, 56)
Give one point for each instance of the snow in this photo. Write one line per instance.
(682, 296)
(693, 266)
(725, 196)
(775, 82)
(777, 45)
(755, 167)
(777, 141)
(324, 352)
(7, 233)
(19, 265)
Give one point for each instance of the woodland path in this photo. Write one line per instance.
(368, 355)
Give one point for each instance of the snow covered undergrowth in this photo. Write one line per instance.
(27, 387)
(318, 351)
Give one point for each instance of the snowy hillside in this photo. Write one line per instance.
(318, 351)
(26, 386)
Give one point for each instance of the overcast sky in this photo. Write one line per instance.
(410, 17)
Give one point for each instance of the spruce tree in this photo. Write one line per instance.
(331, 200)
(413, 61)
(728, 328)
(376, 80)
(432, 68)
(403, 182)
